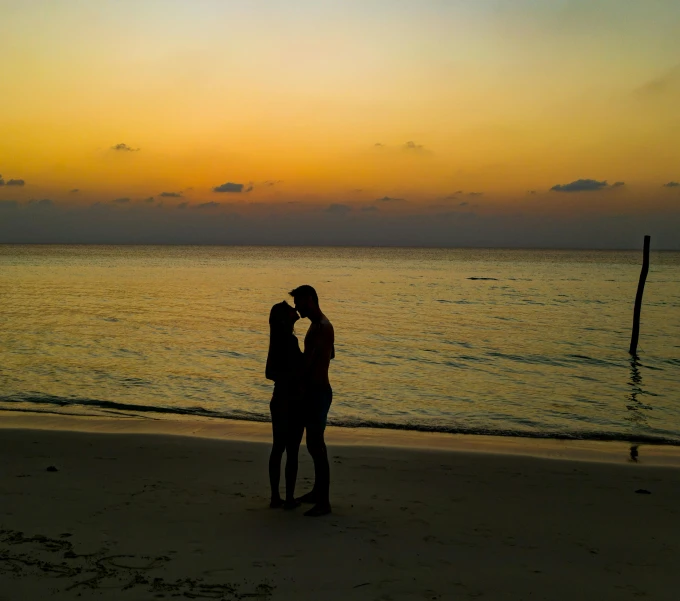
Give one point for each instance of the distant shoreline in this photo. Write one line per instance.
(363, 246)
(608, 451)
(121, 410)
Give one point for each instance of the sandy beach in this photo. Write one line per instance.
(142, 509)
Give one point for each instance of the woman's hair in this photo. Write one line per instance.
(280, 326)
(280, 322)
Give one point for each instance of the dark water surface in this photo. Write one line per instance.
(523, 342)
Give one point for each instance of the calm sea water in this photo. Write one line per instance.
(530, 343)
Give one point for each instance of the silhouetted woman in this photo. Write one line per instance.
(284, 362)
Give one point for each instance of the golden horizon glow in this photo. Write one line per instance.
(494, 97)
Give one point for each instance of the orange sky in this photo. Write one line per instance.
(343, 102)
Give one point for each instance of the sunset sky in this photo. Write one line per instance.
(390, 118)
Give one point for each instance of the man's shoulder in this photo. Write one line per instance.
(326, 324)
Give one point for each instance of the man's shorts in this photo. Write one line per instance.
(316, 406)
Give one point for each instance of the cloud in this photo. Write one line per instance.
(74, 191)
(580, 185)
(45, 202)
(209, 205)
(338, 209)
(475, 193)
(463, 204)
(121, 201)
(618, 184)
(149, 200)
(230, 187)
(124, 148)
(671, 185)
(378, 145)
(411, 145)
(272, 182)
(16, 182)
(389, 199)
(667, 83)
(171, 194)
(453, 196)
(182, 205)
(8, 204)
(532, 192)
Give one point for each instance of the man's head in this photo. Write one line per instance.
(306, 300)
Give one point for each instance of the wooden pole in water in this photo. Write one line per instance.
(638, 299)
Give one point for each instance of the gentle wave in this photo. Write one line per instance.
(131, 409)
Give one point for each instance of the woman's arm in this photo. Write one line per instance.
(271, 369)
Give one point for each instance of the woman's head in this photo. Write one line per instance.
(282, 318)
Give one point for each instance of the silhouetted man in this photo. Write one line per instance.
(317, 394)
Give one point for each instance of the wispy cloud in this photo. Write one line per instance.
(149, 200)
(580, 185)
(618, 184)
(412, 146)
(44, 202)
(121, 201)
(16, 182)
(74, 191)
(338, 209)
(170, 195)
(231, 187)
(672, 185)
(208, 205)
(390, 199)
(664, 84)
(124, 148)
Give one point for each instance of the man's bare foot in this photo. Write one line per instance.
(276, 503)
(290, 505)
(318, 510)
(310, 497)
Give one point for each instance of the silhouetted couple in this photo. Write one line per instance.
(302, 397)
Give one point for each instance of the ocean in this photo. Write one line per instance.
(482, 341)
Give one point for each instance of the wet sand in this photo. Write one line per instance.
(145, 509)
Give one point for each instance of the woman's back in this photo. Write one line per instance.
(284, 362)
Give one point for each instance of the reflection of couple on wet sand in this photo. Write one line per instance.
(302, 397)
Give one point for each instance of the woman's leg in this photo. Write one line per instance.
(292, 450)
(278, 447)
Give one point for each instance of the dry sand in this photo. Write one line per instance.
(140, 516)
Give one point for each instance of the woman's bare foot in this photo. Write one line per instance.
(276, 503)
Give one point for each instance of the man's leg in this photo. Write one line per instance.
(316, 445)
(322, 473)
